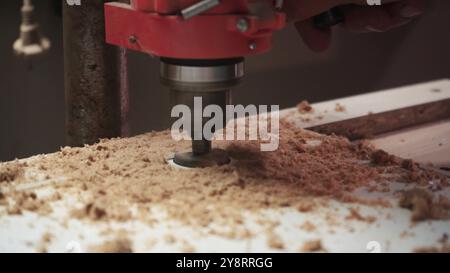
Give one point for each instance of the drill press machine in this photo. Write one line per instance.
(201, 46)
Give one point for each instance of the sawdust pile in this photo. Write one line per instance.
(122, 179)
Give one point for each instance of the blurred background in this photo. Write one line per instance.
(32, 100)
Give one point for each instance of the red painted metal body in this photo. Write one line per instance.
(156, 27)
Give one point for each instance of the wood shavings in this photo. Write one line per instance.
(12, 171)
(47, 237)
(274, 241)
(170, 239)
(340, 108)
(313, 246)
(308, 226)
(356, 215)
(306, 112)
(380, 157)
(119, 245)
(29, 201)
(44, 243)
(304, 107)
(423, 206)
(306, 206)
(443, 248)
(101, 209)
(3, 201)
(125, 179)
(187, 247)
(406, 234)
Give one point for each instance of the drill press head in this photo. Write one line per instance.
(202, 45)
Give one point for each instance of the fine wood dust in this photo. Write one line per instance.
(123, 179)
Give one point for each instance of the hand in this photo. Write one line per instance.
(359, 17)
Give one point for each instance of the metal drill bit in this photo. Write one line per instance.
(210, 80)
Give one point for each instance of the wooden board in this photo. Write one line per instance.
(427, 144)
(379, 112)
(411, 122)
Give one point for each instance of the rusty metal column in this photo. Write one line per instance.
(95, 74)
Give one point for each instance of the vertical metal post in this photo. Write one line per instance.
(95, 76)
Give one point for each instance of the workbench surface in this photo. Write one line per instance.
(334, 226)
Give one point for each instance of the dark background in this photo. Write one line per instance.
(32, 101)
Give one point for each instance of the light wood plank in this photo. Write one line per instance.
(425, 144)
(379, 112)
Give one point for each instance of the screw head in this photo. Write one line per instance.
(242, 25)
(252, 46)
(132, 39)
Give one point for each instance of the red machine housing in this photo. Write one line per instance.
(156, 27)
